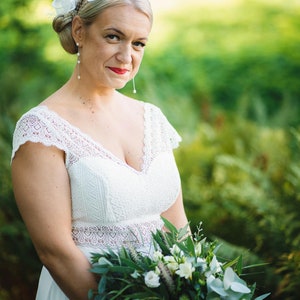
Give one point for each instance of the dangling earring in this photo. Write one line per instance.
(78, 62)
(133, 83)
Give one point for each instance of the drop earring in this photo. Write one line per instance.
(78, 62)
(133, 83)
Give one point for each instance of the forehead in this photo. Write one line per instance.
(125, 18)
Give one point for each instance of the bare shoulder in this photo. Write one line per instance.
(134, 105)
(54, 101)
(33, 155)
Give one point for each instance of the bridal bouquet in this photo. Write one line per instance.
(182, 267)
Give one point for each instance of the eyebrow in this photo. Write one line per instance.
(123, 34)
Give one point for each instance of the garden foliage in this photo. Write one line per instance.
(228, 78)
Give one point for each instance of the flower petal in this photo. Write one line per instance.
(152, 279)
(215, 265)
(229, 276)
(63, 6)
(240, 288)
(216, 285)
(185, 270)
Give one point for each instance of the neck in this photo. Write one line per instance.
(85, 91)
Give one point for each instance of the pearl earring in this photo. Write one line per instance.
(78, 62)
(133, 83)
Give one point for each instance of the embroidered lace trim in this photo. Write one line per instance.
(136, 235)
(41, 125)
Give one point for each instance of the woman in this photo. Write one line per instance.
(92, 168)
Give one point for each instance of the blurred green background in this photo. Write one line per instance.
(227, 75)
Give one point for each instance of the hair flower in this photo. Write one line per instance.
(63, 6)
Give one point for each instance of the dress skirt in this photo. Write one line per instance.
(48, 289)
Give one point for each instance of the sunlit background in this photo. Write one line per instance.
(227, 75)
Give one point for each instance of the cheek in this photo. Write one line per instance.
(101, 51)
(137, 59)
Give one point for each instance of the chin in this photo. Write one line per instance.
(120, 86)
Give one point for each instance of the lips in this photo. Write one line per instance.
(118, 70)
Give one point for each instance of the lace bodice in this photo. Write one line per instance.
(112, 203)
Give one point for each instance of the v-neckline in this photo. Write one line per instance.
(98, 145)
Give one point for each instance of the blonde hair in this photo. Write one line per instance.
(88, 12)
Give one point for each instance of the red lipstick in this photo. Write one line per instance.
(118, 70)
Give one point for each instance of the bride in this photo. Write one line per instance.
(92, 168)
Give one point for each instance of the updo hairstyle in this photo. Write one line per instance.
(88, 12)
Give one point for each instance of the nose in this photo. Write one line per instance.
(124, 54)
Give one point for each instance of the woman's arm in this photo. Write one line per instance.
(42, 192)
(176, 213)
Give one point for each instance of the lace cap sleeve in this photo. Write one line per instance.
(32, 127)
(164, 136)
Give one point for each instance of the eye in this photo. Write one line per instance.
(112, 37)
(139, 45)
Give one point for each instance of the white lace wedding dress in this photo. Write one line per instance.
(112, 203)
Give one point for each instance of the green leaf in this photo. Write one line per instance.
(239, 265)
(121, 269)
(262, 296)
(90, 294)
(123, 253)
(190, 246)
(216, 248)
(99, 270)
(231, 263)
(144, 295)
(102, 285)
(161, 239)
(120, 292)
(183, 248)
(255, 265)
(130, 264)
(170, 226)
(183, 232)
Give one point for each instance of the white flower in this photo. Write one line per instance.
(172, 266)
(157, 256)
(152, 279)
(235, 283)
(231, 288)
(215, 285)
(63, 6)
(215, 267)
(198, 249)
(169, 259)
(175, 250)
(201, 262)
(171, 263)
(185, 270)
